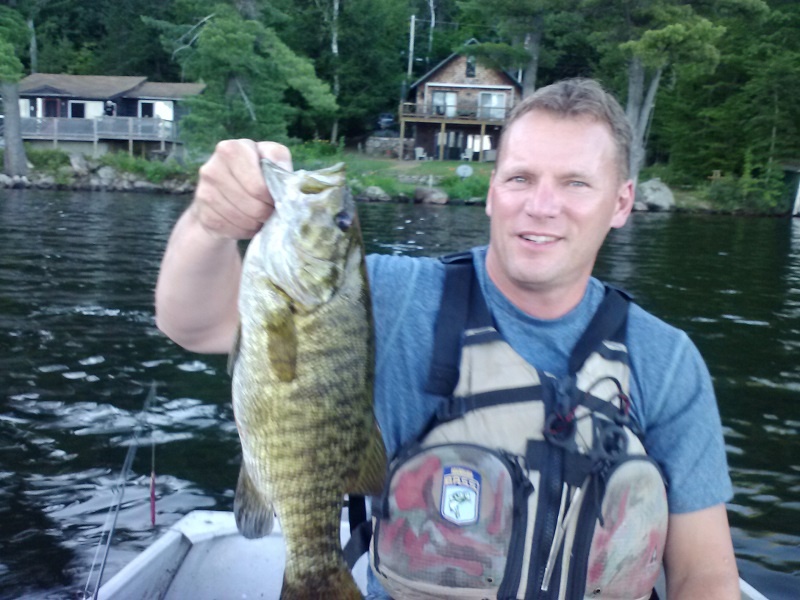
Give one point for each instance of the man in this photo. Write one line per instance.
(561, 182)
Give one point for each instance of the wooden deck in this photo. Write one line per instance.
(60, 129)
(462, 113)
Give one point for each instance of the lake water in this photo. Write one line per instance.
(80, 351)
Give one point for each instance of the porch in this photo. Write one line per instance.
(464, 131)
(131, 129)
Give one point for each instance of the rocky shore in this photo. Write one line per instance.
(88, 175)
(85, 175)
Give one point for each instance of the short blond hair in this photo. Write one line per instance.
(580, 97)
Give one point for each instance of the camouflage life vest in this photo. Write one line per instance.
(523, 485)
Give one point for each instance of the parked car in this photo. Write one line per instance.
(385, 120)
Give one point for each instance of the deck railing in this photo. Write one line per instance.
(101, 128)
(469, 111)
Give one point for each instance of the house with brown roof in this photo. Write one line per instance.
(456, 110)
(95, 113)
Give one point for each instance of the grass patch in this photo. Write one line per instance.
(47, 160)
(152, 170)
(475, 186)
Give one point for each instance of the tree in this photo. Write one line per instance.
(369, 80)
(520, 27)
(248, 71)
(13, 37)
(649, 37)
(742, 120)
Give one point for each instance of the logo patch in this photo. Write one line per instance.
(461, 495)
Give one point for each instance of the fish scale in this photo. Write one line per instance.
(302, 379)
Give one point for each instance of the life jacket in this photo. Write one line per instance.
(523, 485)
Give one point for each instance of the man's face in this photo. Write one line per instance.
(553, 196)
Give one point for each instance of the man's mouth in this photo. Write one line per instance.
(539, 239)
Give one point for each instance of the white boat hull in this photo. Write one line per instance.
(203, 557)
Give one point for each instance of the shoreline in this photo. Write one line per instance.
(107, 179)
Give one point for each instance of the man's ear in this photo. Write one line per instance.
(489, 195)
(625, 197)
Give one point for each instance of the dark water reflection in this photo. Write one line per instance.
(80, 351)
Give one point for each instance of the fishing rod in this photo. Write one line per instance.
(113, 510)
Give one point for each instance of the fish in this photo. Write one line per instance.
(302, 378)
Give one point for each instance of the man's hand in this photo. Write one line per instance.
(698, 559)
(198, 284)
(232, 199)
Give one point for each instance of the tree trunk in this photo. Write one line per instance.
(16, 163)
(639, 110)
(34, 48)
(533, 44)
(432, 9)
(336, 62)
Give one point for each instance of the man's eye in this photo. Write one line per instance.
(576, 183)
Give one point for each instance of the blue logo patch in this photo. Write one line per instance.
(461, 495)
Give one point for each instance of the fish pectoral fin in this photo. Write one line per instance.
(282, 342)
(254, 514)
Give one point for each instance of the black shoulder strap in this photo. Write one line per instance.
(358, 544)
(608, 323)
(450, 323)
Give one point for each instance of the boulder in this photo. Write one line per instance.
(145, 186)
(655, 195)
(79, 164)
(375, 194)
(105, 177)
(430, 195)
(5, 180)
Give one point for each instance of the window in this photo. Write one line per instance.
(470, 66)
(146, 109)
(50, 107)
(492, 106)
(444, 104)
(77, 110)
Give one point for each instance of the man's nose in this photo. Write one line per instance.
(542, 200)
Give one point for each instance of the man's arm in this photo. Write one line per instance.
(698, 559)
(198, 283)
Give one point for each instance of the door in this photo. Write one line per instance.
(493, 106)
(444, 104)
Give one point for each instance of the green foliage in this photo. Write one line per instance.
(13, 37)
(474, 186)
(730, 70)
(315, 154)
(248, 71)
(152, 170)
(743, 119)
(750, 193)
(49, 160)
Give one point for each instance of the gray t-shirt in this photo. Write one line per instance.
(671, 392)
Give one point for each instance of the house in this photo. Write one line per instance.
(457, 109)
(95, 113)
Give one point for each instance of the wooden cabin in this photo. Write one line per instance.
(456, 110)
(94, 113)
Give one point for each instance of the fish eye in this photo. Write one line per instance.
(343, 220)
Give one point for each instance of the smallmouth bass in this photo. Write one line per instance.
(303, 376)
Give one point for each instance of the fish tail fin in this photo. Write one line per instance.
(372, 474)
(336, 585)
(254, 516)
